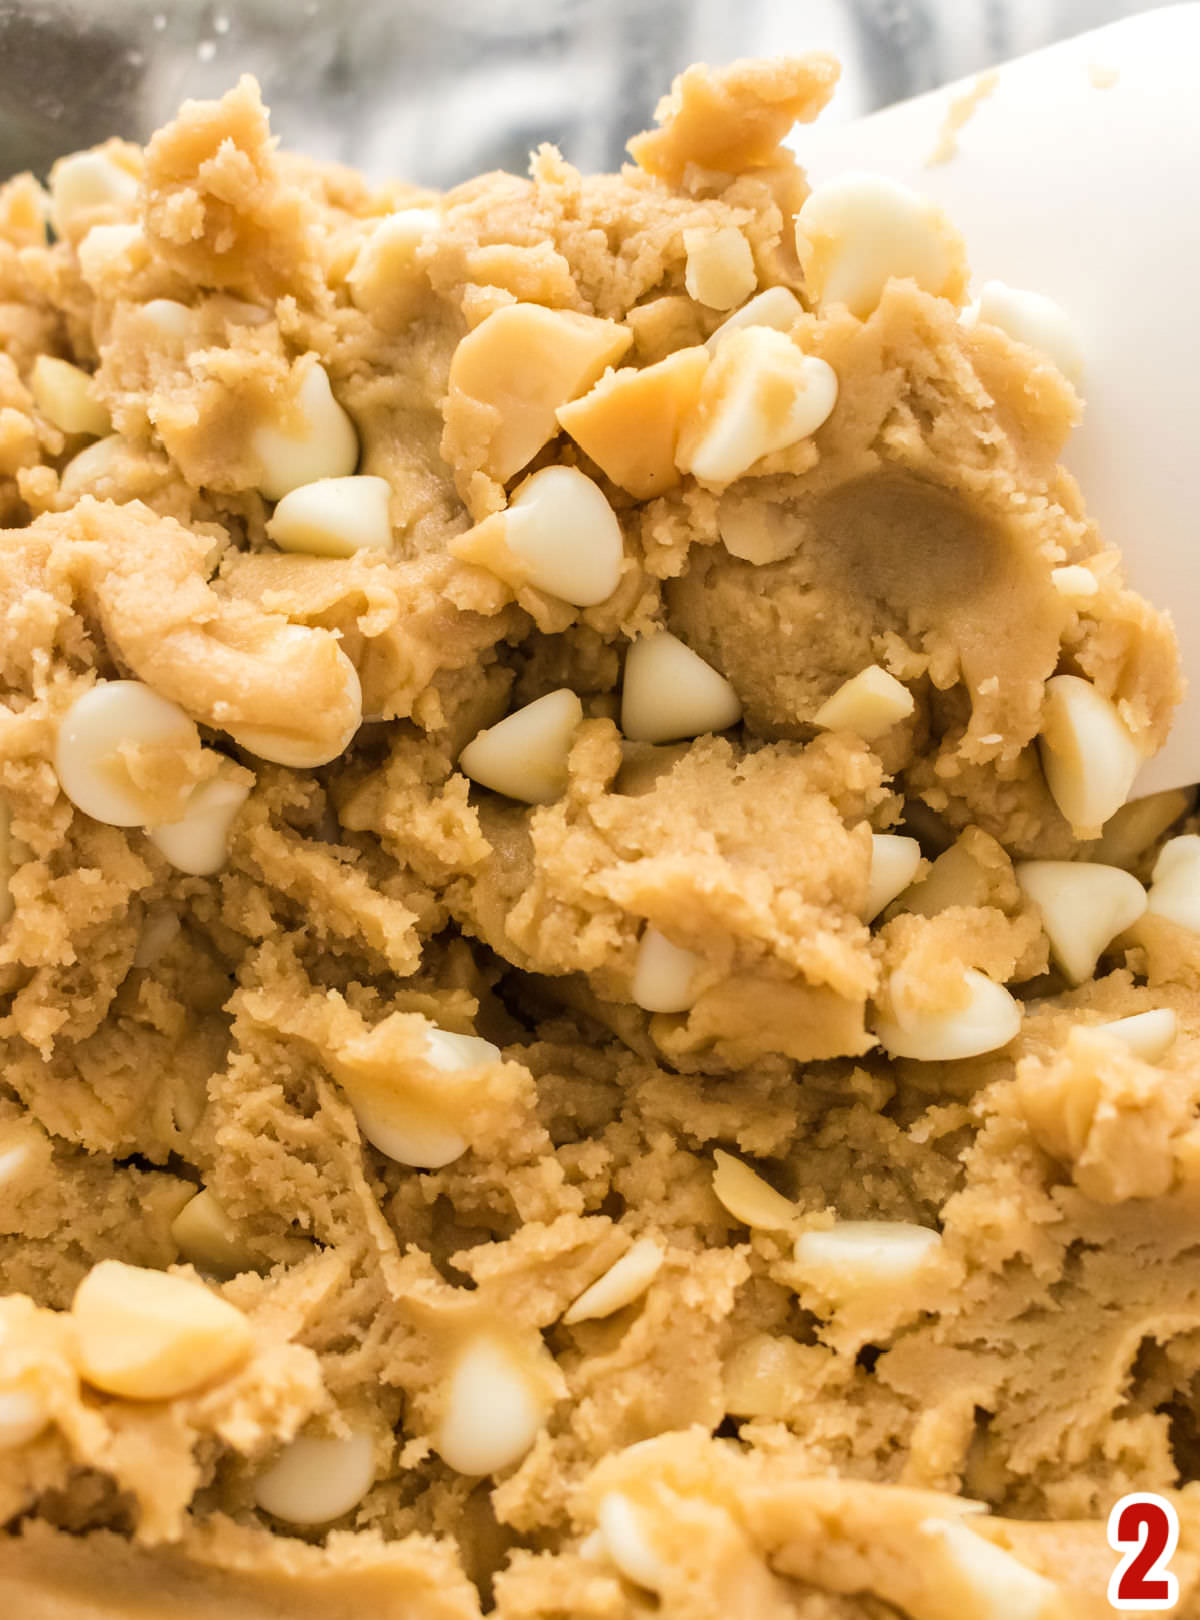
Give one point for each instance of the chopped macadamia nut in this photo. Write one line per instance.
(66, 396)
(522, 363)
(749, 1198)
(1148, 1035)
(1089, 755)
(334, 517)
(720, 266)
(669, 692)
(1031, 318)
(629, 423)
(493, 1412)
(406, 1126)
(777, 307)
(624, 1539)
(198, 843)
(84, 182)
(386, 280)
(1175, 882)
(558, 534)
(169, 318)
(108, 250)
(1083, 906)
(869, 703)
(894, 863)
(316, 439)
(857, 232)
(524, 756)
(864, 1254)
(987, 1018)
(1074, 582)
(91, 756)
(149, 1336)
(664, 974)
(760, 394)
(623, 1282)
(24, 1415)
(207, 1239)
(86, 472)
(991, 1583)
(317, 1478)
(1136, 825)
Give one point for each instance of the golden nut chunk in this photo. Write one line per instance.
(1089, 755)
(1083, 907)
(524, 756)
(66, 396)
(669, 692)
(317, 1478)
(629, 424)
(91, 755)
(523, 362)
(150, 1336)
(314, 439)
(869, 704)
(761, 394)
(664, 974)
(720, 266)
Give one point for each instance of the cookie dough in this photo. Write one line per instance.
(584, 1028)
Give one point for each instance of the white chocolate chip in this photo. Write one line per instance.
(626, 1543)
(565, 536)
(207, 1239)
(720, 266)
(620, 1285)
(66, 396)
(869, 704)
(334, 517)
(1074, 581)
(150, 1336)
(169, 318)
(894, 863)
(386, 281)
(994, 1584)
(1175, 882)
(988, 1019)
(86, 181)
(198, 843)
(663, 974)
(1031, 318)
(322, 443)
(1089, 755)
(760, 394)
(23, 1416)
(411, 1131)
(111, 250)
(85, 472)
(669, 692)
(749, 1198)
(493, 1411)
(854, 1255)
(317, 1478)
(296, 749)
(87, 755)
(858, 231)
(1084, 906)
(776, 307)
(1148, 1035)
(524, 756)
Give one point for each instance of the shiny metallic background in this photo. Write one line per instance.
(435, 90)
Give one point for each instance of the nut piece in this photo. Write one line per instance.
(317, 1478)
(629, 423)
(1074, 581)
(625, 1541)
(169, 318)
(620, 1285)
(334, 517)
(861, 1254)
(1175, 882)
(23, 1416)
(1089, 755)
(987, 1581)
(112, 716)
(66, 396)
(493, 1412)
(1137, 824)
(558, 534)
(988, 1019)
(894, 863)
(386, 280)
(86, 181)
(1031, 318)
(760, 394)
(1147, 1035)
(96, 462)
(720, 266)
(1084, 907)
(524, 756)
(669, 692)
(207, 1239)
(198, 843)
(523, 362)
(749, 1198)
(869, 703)
(663, 975)
(410, 1131)
(150, 1336)
(320, 443)
(777, 307)
(855, 233)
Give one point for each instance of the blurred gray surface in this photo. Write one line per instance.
(436, 90)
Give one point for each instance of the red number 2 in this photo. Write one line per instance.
(1145, 1528)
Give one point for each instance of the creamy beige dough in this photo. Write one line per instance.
(626, 1223)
